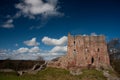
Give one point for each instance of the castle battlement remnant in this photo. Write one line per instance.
(85, 51)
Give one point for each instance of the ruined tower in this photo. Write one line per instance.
(84, 52)
(87, 51)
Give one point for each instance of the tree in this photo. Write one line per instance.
(114, 45)
(114, 53)
(40, 58)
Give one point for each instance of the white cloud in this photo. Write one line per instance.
(4, 54)
(31, 42)
(24, 56)
(8, 24)
(34, 50)
(22, 50)
(34, 9)
(23, 53)
(26, 53)
(59, 49)
(56, 42)
(59, 46)
(33, 53)
(28, 50)
(14, 55)
(31, 8)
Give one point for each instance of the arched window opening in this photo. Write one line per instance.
(92, 60)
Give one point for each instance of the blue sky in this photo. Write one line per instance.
(35, 20)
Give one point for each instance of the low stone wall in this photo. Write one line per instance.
(37, 67)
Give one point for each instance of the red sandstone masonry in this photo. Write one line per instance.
(85, 51)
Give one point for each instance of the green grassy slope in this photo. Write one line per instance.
(54, 74)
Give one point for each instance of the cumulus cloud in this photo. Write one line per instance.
(34, 50)
(32, 53)
(8, 24)
(59, 49)
(31, 8)
(22, 53)
(4, 54)
(24, 56)
(28, 50)
(22, 50)
(31, 42)
(56, 42)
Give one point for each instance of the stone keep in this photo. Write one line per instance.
(85, 51)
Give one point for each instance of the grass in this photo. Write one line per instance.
(55, 74)
(92, 74)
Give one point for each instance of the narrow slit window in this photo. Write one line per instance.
(74, 42)
(98, 50)
(92, 60)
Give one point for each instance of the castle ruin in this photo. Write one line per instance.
(85, 51)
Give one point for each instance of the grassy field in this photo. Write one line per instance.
(54, 74)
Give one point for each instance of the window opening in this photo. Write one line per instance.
(92, 60)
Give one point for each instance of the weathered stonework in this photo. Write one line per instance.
(85, 51)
